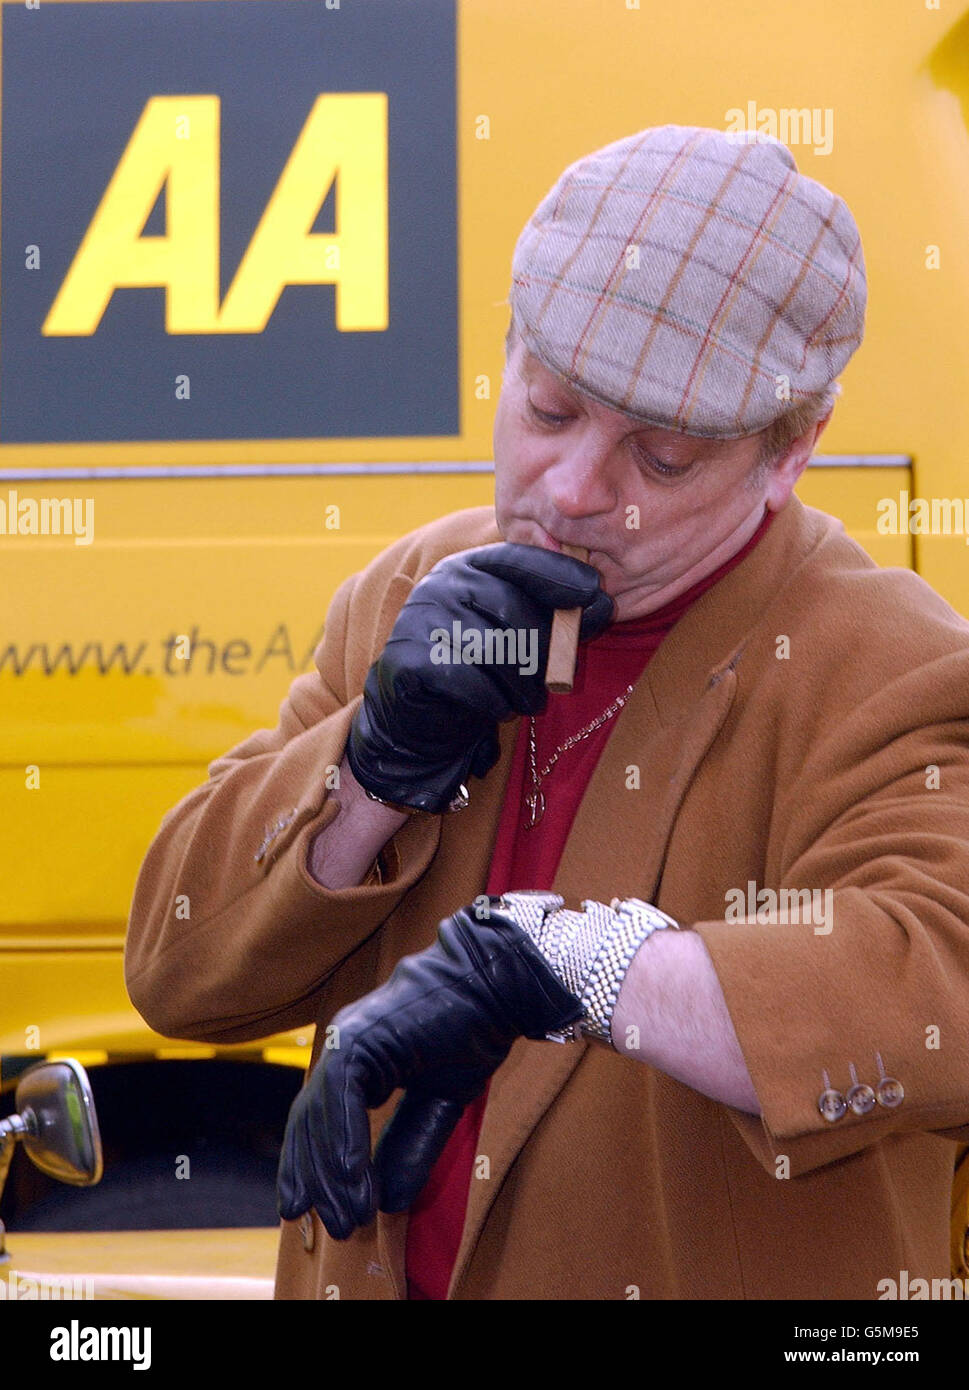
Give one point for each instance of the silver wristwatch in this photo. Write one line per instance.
(589, 951)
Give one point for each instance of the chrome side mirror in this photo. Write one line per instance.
(57, 1125)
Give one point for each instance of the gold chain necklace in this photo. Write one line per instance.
(535, 800)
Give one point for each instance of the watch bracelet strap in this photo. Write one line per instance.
(589, 951)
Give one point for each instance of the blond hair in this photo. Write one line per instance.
(781, 433)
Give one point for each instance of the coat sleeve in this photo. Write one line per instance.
(229, 937)
(877, 826)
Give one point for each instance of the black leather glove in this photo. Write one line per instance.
(425, 725)
(439, 1027)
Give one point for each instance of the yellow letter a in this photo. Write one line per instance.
(114, 254)
(344, 139)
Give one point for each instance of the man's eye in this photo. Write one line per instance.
(546, 417)
(664, 470)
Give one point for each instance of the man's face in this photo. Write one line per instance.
(658, 511)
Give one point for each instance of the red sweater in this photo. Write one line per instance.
(528, 858)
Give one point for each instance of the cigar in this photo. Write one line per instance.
(560, 670)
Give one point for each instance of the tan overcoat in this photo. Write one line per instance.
(804, 726)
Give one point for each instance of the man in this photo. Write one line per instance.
(747, 1104)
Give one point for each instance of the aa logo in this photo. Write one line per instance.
(235, 220)
(175, 148)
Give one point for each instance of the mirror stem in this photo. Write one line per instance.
(8, 1140)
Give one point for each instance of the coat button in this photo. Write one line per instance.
(861, 1099)
(890, 1092)
(832, 1104)
(306, 1231)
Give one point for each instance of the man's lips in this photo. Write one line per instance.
(550, 542)
(546, 541)
(537, 535)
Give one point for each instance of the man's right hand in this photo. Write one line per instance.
(425, 724)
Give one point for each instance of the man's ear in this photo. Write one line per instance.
(821, 426)
(785, 471)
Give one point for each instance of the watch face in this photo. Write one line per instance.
(530, 898)
(541, 893)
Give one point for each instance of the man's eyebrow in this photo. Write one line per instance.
(529, 365)
(528, 372)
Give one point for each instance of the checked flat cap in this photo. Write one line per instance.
(692, 279)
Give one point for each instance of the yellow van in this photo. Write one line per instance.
(251, 328)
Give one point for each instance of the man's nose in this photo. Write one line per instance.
(581, 482)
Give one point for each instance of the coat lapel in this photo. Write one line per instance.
(664, 732)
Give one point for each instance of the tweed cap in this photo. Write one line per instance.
(749, 293)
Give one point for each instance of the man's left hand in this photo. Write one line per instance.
(441, 1025)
